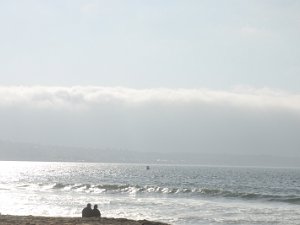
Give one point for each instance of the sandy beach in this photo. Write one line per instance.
(37, 220)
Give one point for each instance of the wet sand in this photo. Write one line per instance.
(36, 220)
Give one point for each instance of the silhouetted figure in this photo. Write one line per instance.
(96, 212)
(87, 211)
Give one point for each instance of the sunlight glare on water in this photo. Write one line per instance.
(180, 195)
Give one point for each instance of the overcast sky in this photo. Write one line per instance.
(198, 76)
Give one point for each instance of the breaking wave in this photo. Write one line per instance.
(194, 192)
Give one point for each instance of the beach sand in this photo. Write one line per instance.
(37, 220)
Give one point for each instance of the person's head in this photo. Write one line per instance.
(95, 206)
(89, 205)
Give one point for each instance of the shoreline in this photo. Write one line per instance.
(45, 220)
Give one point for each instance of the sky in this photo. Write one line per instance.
(197, 76)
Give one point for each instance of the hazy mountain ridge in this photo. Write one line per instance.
(14, 151)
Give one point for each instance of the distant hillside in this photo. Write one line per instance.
(13, 151)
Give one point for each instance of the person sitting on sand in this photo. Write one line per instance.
(96, 212)
(87, 211)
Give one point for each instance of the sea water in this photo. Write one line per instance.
(176, 194)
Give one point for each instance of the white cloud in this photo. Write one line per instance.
(88, 8)
(249, 31)
(84, 97)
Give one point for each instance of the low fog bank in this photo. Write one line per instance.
(232, 125)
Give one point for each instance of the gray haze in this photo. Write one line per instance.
(240, 122)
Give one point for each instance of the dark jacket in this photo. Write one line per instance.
(96, 213)
(87, 212)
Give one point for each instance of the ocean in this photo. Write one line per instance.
(176, 194)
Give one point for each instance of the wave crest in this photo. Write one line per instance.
(151, 189)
